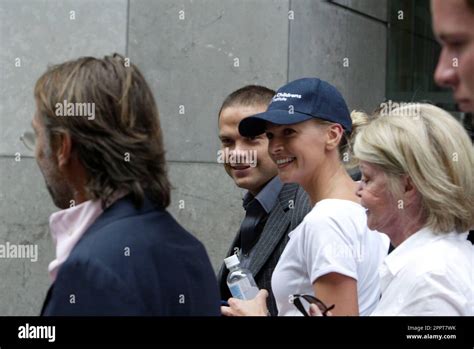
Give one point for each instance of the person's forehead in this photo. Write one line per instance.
(228, 122)
(242, 111)
(367, 166)
(231, 116)
(269, 126)
(451, 17)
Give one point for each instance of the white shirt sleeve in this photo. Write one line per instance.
(330, 246)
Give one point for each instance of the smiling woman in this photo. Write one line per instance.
(331, 254)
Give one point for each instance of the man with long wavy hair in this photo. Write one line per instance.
(100, 150)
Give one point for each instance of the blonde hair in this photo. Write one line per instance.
(346, 155)
(434, 150)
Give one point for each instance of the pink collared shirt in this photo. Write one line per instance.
(67, 227)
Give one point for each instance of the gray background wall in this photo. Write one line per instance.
(189, 62)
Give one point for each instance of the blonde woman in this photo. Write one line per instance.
(417, 167)
(331, 254)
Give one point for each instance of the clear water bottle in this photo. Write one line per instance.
(240, 280)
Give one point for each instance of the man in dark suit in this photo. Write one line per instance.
(100, 150)
(272, 209)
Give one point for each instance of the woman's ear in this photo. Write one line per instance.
(334, 135)
(410, 192)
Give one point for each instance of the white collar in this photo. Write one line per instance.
(403, 254)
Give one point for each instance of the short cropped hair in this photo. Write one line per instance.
(126, 122)
(249, 95)
(433, 149)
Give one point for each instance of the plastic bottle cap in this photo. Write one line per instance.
(231, 261)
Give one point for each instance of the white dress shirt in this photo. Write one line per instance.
(428, 275)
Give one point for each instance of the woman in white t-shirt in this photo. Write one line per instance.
(332, 254)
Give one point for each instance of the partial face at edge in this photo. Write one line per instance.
(453, 25)
(58, 187)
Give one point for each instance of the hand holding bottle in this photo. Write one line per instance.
(253, 307)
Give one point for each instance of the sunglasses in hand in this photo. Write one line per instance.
(297, 301)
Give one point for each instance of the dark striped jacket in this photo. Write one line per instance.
(292, 206)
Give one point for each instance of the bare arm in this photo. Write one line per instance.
(338, 289)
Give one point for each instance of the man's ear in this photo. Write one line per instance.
(334, 135)
(63, 149)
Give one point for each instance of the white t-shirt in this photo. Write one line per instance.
(333, 237)
(428, 275)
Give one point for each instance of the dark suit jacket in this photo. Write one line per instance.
(135, 262)
(292, 206)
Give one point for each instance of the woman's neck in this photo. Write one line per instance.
(410, 220)
(332, 182)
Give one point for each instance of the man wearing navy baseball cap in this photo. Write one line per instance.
(298, 101)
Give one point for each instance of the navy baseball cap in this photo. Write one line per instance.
(298, 101)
